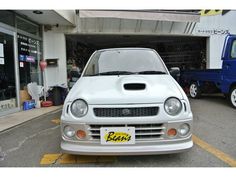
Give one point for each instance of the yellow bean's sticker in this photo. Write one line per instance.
(117, 137)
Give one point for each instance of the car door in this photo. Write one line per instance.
(229, 63)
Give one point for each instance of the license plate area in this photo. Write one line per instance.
(117, 135)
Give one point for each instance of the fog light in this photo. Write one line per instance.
(81, 134)
(184, 129)
(172, 132)
(69, 131)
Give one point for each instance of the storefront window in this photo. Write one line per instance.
(7, 73)
(29, 46)
(29, 54)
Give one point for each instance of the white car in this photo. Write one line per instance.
(126, 103)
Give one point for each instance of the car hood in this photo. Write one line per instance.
(110, 89)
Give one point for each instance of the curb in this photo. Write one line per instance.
(37, 117)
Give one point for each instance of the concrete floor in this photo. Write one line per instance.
(214, 123)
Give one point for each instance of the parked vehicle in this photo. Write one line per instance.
(215, 80)
(126, 103)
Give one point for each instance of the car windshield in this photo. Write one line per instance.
(125, 62)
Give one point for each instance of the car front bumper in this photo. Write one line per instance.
(151, 135)
(139, 149)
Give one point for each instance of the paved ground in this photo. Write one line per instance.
(36, 143)
(17, 118)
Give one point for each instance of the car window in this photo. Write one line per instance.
(93, 66)
(129, 60)
(233, 50)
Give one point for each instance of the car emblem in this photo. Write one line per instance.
(126, 112)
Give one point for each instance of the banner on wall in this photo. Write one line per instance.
(28, 48)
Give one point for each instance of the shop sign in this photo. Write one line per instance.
(213, 31)
(30, 59)
(27, 58)
(22, 57)
(7, 104)
(213, 12)
(28, 48)
(210, 12)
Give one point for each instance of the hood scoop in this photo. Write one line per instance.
(135, 86)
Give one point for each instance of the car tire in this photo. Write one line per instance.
(232, 97)
(194, 90)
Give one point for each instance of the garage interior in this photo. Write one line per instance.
(177, 51)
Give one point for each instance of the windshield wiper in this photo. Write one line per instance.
(113, 73)
(126, 73)
(151, 72)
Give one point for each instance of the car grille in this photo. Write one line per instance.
(142, 131)
(126, 112)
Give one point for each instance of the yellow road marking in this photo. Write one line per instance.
(67, 159)
(216, 152)
(56, 121)
(49, 159)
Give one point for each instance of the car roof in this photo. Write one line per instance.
(126, 48)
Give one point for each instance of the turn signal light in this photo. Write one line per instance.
(172, 132)
(81, 134)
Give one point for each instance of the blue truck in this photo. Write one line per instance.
(215, 80)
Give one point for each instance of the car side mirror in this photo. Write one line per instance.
(175, 73)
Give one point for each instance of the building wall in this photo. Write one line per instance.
(69, 15)
(130, 26)
(216, 27)
(54, 46)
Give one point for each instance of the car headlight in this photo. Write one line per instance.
(69, 131)
(173, 106)
(184, 129)
(79, 108)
